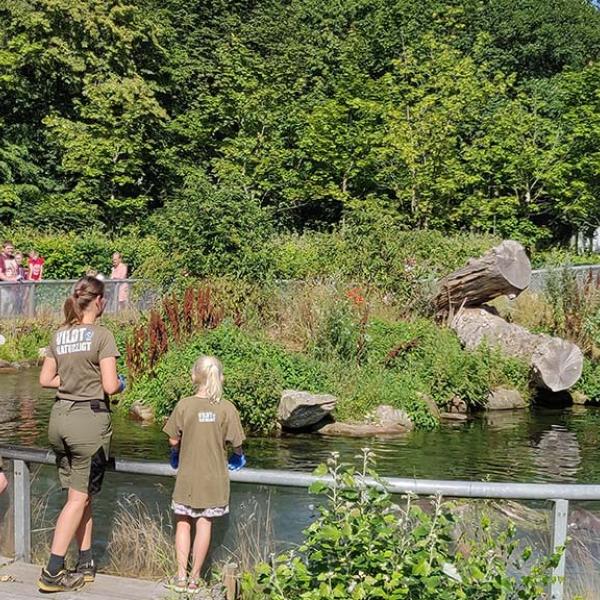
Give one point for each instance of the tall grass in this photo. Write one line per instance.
(141, 541)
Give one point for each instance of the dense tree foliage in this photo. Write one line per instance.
(248, 116)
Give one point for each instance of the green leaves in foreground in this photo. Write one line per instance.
(364, 546)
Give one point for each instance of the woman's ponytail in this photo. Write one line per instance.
(85, 291)
(207, 374)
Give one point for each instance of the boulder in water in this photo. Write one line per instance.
(505, 399)
(303, 410)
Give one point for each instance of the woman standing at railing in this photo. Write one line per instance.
(81, 364)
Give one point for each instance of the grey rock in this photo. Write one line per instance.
(505, 399)
(453, 416)
(388, 415)
(299, 410)
(362, 429)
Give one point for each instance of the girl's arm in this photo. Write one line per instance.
(108, 372)
(49, 374)
(174, 441)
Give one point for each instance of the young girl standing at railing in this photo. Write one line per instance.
(199, 429)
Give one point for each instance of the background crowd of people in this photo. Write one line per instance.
(18, 267)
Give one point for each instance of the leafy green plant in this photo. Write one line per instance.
(362, 545)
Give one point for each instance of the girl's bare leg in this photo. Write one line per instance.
(182, 543)
(201, 544)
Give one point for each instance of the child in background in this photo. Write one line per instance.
(200, 428)
(22, 273)
(36, 266)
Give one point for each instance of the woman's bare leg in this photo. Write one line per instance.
(69, 521)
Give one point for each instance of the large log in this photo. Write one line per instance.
(556, 363)
(503, 271)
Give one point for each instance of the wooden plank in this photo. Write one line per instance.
(107, 587)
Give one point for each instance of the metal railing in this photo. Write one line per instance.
(558, 494)
(46, 297)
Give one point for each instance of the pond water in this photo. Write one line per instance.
(561, 445)
(539, 445)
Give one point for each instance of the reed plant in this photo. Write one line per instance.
(141, 541)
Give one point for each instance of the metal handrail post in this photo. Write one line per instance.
(560, 523)
(22, 510)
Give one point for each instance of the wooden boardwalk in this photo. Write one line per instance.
(22, 585)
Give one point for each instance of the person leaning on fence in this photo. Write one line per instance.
(8, 274)
(3, 480)
(119, 271)
(81, 364)
(199, 430)
(35, 264)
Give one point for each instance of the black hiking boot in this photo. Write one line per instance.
(88, 570)
(63, 581)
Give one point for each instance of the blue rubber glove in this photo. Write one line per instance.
(236, 462)
(123, 383)
(174, 457)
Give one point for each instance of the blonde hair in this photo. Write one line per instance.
(207, 374)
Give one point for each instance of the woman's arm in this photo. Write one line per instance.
(174, 441)
(49, 374)
(108, 372)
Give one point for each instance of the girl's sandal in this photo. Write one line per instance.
(177, 584)
(194, 586)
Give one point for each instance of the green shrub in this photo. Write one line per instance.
(406, 360)
(364, 546)
(23, 339)
(70, 255)
(589, 384)
(256, 372)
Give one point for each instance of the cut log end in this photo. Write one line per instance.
(558, 364)
(513, 264)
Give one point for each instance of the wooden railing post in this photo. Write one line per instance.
(22, 508)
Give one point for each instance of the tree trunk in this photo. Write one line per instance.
(556, 363)
(504, 270)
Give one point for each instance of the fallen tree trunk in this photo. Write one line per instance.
(504, 270)
(556, 363)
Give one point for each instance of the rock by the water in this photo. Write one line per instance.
(362, 429)
(505, 399)
(301, 410)
(141, 412)
(386, 415)
(453, 416)
(579, 397)
(457, 405)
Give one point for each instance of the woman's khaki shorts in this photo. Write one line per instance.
(80, 437)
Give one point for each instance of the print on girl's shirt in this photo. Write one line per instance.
(207, 417)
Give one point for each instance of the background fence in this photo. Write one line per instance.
(46, 297)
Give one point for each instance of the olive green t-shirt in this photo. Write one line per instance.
(78, 351)
(205, 428)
